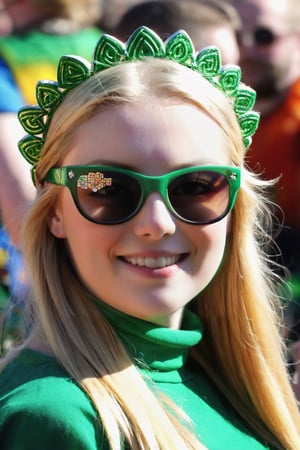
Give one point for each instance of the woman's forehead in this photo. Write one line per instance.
(140, 132)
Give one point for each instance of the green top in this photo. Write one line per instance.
(42, 408)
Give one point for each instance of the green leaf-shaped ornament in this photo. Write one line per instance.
(72, 71)
(48, 94)
(109, 51)
(244, 100)
(208, 62)
(229, 80)
(30, 148)
(247, 142)
(32, 119)
(179, 48)
(249, 123)
(144, 42)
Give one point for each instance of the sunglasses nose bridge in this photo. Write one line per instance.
(150, 184)
(246, 39)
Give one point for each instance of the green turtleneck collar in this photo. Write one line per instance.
(159, 349)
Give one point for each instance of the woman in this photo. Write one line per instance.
(155, 312)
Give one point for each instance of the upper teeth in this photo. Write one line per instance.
(152, 263)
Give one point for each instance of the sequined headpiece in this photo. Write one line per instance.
(109, 51)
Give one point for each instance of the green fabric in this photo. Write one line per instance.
(35, 55)
(295, 285)
(4, 297)
(42, 408)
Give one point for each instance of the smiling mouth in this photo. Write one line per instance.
(153, 263)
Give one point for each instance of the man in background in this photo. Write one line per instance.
(269, 43)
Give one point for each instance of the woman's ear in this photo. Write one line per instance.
(55, 224)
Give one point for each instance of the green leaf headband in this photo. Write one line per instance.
(109, 51)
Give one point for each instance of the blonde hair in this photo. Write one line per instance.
(241, 349)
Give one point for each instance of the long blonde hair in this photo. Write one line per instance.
(241, 350)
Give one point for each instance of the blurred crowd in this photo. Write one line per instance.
(262, 36)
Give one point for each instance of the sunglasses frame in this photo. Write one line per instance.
(68, 176)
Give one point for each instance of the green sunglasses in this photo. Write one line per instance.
(109, 195)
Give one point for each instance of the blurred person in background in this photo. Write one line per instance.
(270, 60)
(112, 11)
(208, 22)
(34, 33)
(40, 32)
(5, 20)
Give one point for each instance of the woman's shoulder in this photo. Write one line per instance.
(38, 378)
(37, 394)
(29, 366)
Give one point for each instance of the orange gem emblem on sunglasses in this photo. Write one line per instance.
(94, 181)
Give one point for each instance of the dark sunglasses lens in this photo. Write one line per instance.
(107, 197)
(200, 197)
(259, 36)
(263, 36)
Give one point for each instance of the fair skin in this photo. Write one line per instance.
(18, 15)
(18, 190)
(270, 69)
(153, 139)
(224, 38)
(6, 25)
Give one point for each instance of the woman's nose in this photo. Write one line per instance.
(154, 220)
